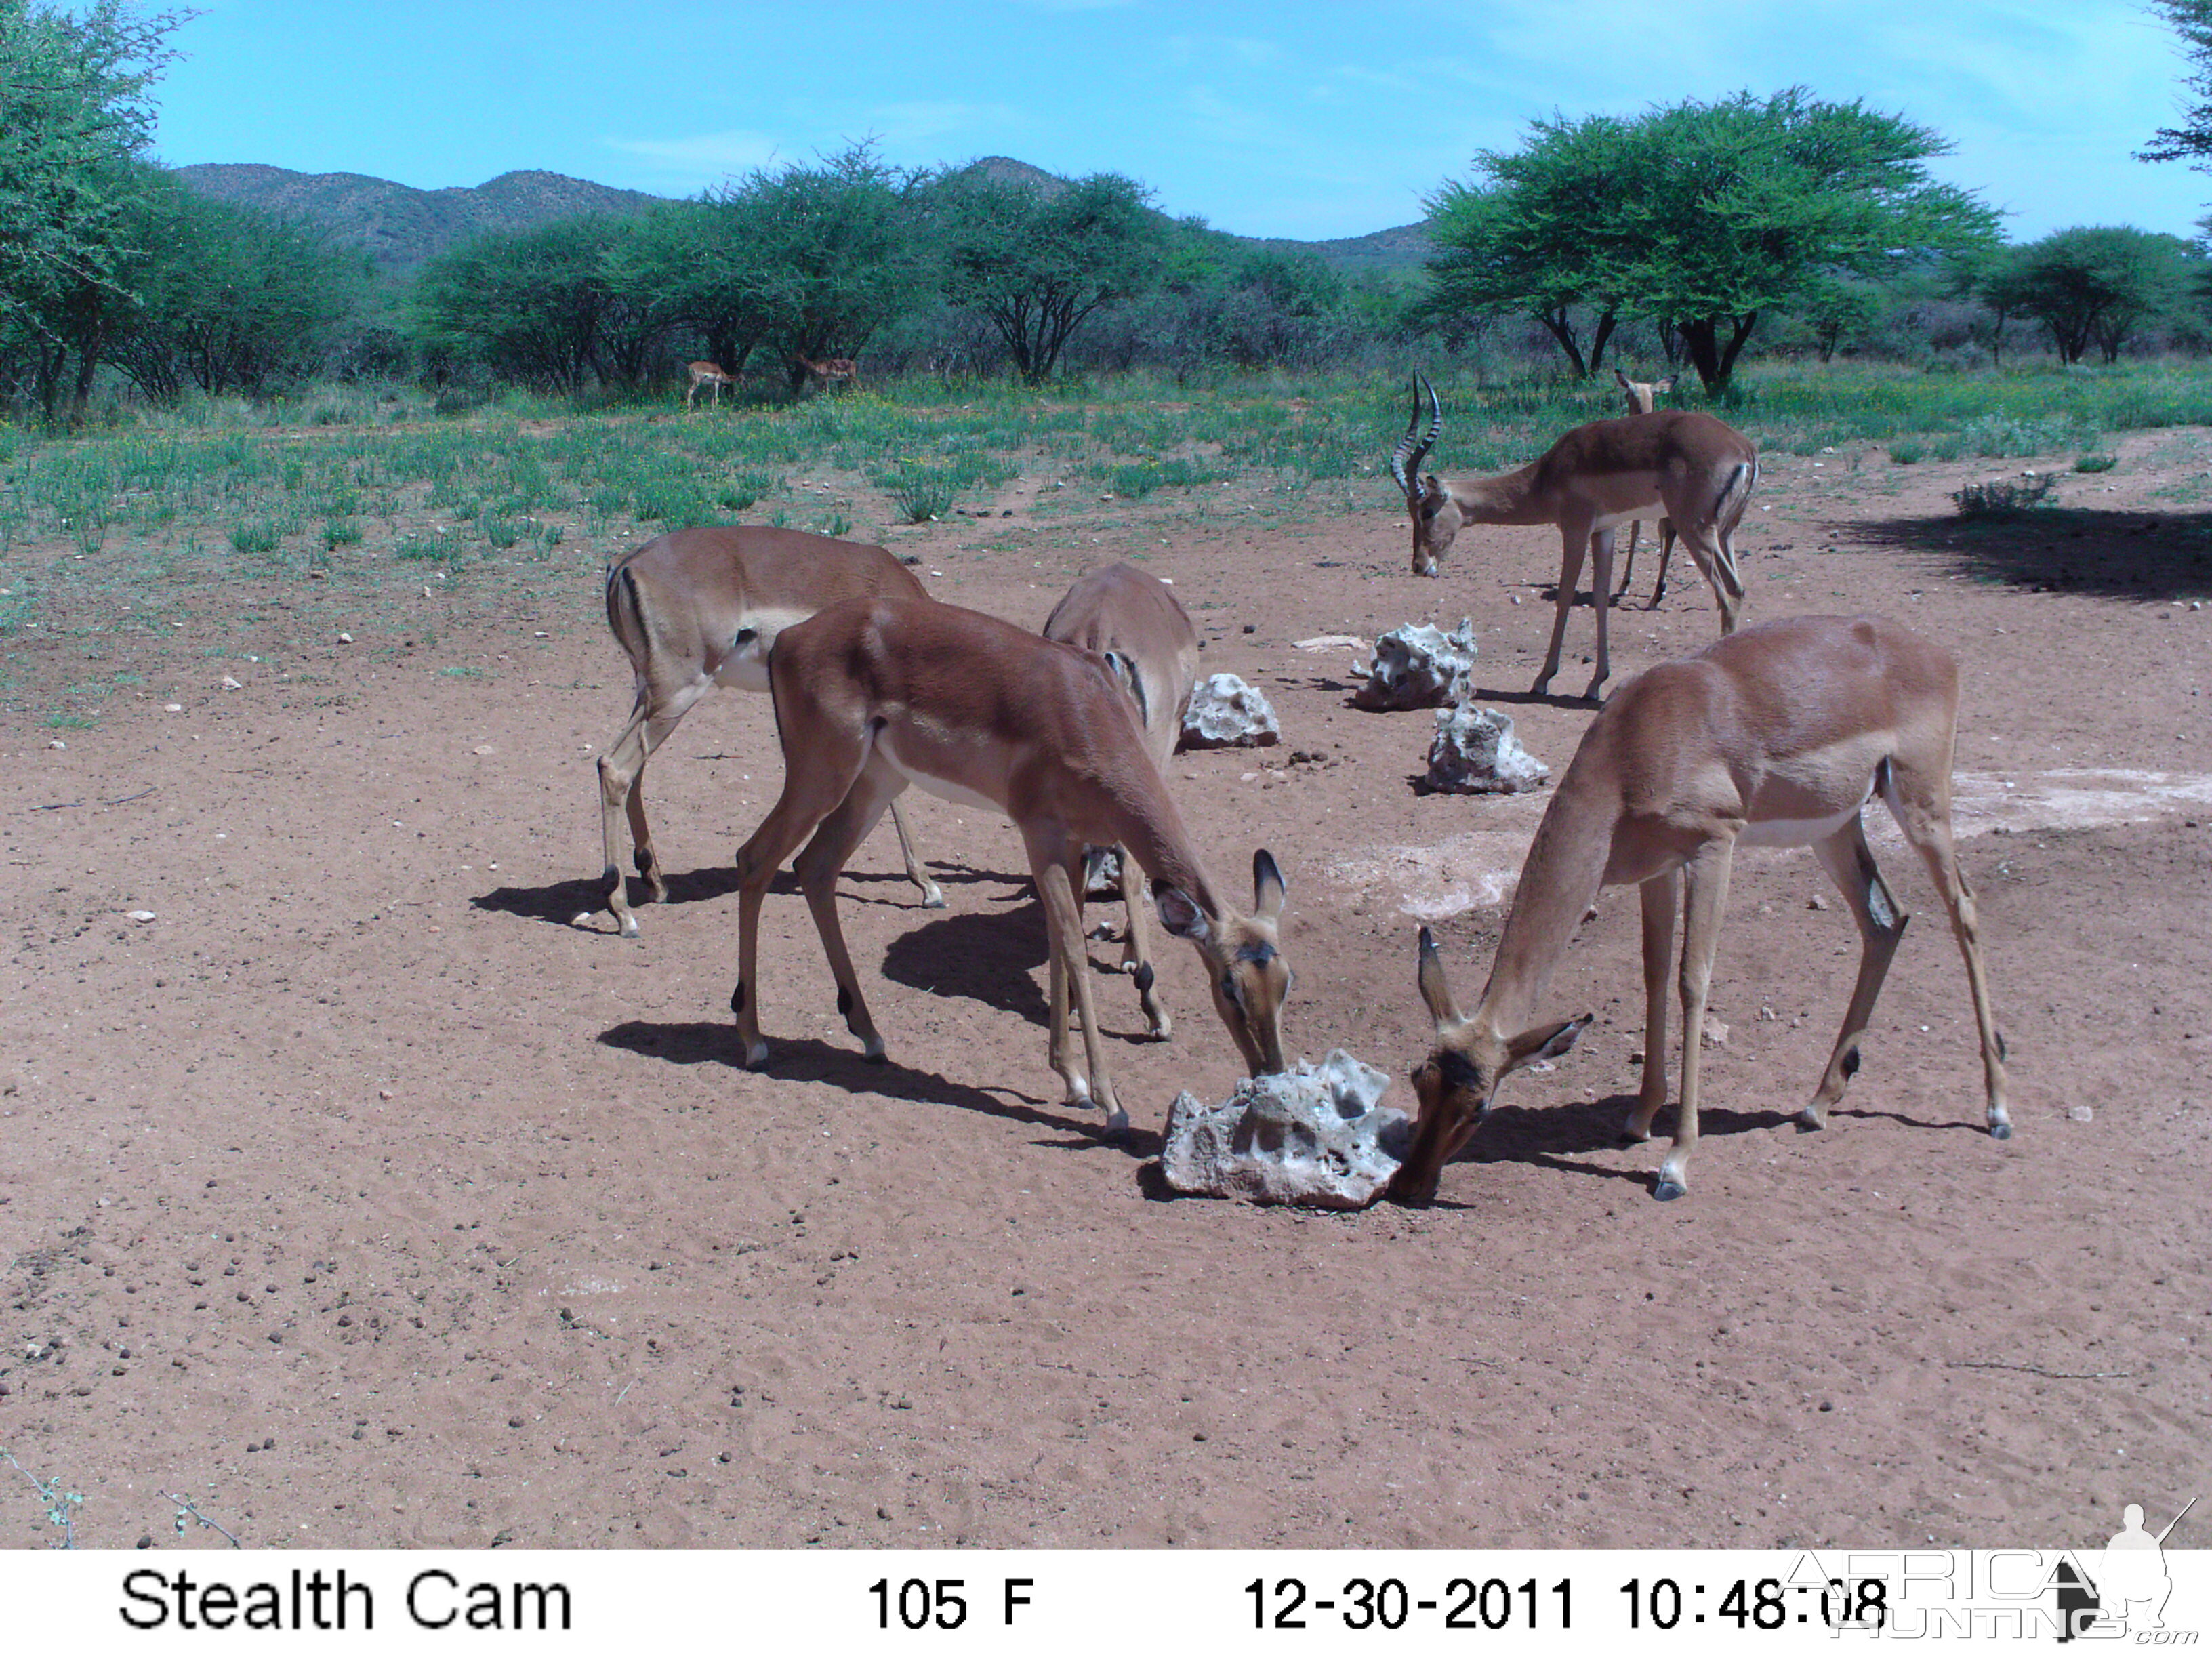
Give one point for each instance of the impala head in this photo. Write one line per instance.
(1428, 503)
(1456, 1084)
(1643, 395)
(1243, 958)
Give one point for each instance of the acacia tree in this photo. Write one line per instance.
(75, 115)
(2093, 285)
(1705, 216)
(1036, 261)
(1520, 241)
(2192, 140)
(527, 304)
(835, 251)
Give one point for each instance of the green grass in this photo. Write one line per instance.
(205, 513)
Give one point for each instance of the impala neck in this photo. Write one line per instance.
(1509, 498)
(1152, 834)
(1565, 869)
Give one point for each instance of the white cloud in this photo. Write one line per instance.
(704, 157)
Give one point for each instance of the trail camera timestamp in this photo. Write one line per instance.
(1464, 1603)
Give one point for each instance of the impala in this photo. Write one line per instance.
(1597, 476)
(695, 609)
(1132, 620)
(1643, 399)
(872, 695)
(707, 374)
(829, 368)
(1778, 735)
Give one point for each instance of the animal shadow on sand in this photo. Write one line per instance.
(994, 957)
(563, 901)
(1552, 1136)
(810, 1060)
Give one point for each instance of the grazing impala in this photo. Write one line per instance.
(1643, 399)
(1596, 477)
(829, 368)
(695, 609)
(1776, 736)
(872, 695)
(1132, 619)
(707, 374)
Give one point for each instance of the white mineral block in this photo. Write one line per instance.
(1314, 1135)
(1225, 712)
(1420, 667)
(1475, 753)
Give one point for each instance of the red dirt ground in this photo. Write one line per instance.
(363, 1200)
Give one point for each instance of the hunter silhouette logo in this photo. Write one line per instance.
(2127, 1595)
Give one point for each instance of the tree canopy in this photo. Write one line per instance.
(1036, 262)
(1700, 216)
(2093, 285)
(2192, 140)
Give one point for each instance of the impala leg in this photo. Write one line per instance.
(1920, 800)
(810, 794)
(1136, 948)
(1574, 542)
(1705, 888)
(1704, 553)
(621, 776)
(818, 869)
(932, 896)
(1662, 897)
(1628, 564)
(1057, 868)
(1601, 601)
(1666, 548)
(1849, 863)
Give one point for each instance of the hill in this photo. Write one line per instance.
(400, 226)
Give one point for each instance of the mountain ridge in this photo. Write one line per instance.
(402, 226)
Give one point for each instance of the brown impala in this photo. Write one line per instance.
(872, 695)
(1696, 470)
(1132, 620)
(696, 609)
(1776, 736)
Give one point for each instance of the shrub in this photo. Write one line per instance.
(2096, 463)
(1906, 453)
(257, 536)
(341, 532)
(2004, 496)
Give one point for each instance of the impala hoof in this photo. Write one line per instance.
(933, 899)
(2000, 1132)
(1117, 1125)
(1667, 1191)
(1807, 1124)
(756, 1057)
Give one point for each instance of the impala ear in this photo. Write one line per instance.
(1622, 378)
(1268, 886)
(1543, 1043)
(1667, 384)
(1179, 915)
(1435, 991)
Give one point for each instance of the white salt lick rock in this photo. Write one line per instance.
(1421, 668)
(1225, 712)
(1475, 753)
(1314, 1135)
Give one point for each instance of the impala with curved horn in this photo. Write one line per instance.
(1696, 469)
(1777, 737)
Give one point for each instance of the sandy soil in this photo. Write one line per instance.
(361, 1198)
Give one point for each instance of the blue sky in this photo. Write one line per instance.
(1290, 119)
